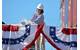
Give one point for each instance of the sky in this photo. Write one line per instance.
(14, 11)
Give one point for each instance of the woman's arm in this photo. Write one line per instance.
(39, 20)
(34, 18)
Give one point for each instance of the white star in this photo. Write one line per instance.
(52, 29)
(17, 41)
(72, 44)
(21, 39)
(52, 35)
(56, 40)
(5, 41)
(27, 33)
(27, 26)
(21, 42)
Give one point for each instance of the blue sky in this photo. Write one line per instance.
(16, 10)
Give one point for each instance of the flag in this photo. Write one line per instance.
(65, 39)
(16, 37)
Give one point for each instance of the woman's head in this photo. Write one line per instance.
(40, 11)
(40, 8)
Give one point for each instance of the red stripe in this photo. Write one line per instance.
(53, 44)
(6, 27)
(69, 31)
(14, 28)
(10, 28)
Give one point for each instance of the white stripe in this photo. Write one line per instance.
(68, 38)
(73, 48)
(73, 37)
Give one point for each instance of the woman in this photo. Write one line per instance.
(38, 18)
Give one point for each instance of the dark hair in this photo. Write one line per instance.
(42, 11)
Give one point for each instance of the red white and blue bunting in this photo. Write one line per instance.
(17, 37)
